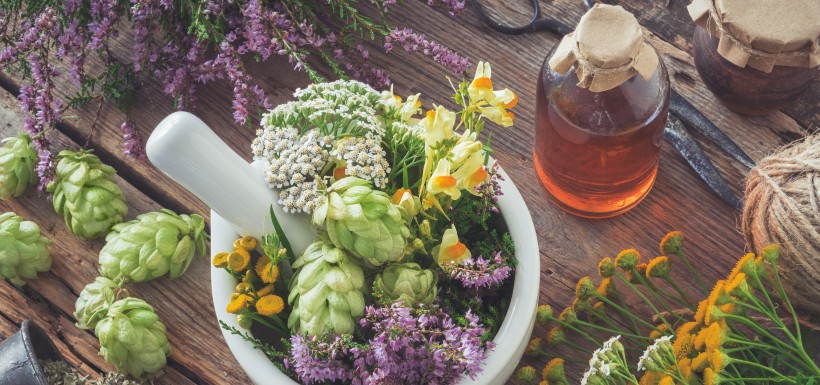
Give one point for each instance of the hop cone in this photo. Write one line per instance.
(152, 245)
(132, 338)
(95, 299)
(363, 221)
(23, 250)
(17, 159)
(85, 194)
(326, 291)
(407, 282)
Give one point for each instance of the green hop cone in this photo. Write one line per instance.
(17, 159)
(407, 282)
(152, 245)
(23, 250)
(95, 299)
(363, 221)
(85, 194)
(326, 291)
(132, 338)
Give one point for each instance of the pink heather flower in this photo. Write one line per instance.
(416, 42)
(480, 273)
(131, 145)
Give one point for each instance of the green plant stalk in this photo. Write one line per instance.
(648, 302)
(682, 255)
(654, 290)
(681, 293)
(624, 311)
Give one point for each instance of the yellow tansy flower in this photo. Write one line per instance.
(658, 267)
(659, 331)
(584, 288)
(700, 362)
(269, 305)
(628, 259)
(739, 266)
(239, 260)
(666, 381)
(246, 242)
(650, 378)
(554, 370)
(607, 288)
(605, 268)
(700, 314)
(220, 259)
(672, 243)
(240, 303)
(687, 328)
(709, 377)
(555, 336)
(268, 289)
(682, 346)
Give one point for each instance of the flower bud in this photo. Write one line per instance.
(554, 372)
(568, 316)
(543, 315)
(525, 375)
(628, 259)
(770, 253)
(672, 243)
(606, 268)
(584, 289)
(535, 347)
(658, 268)
(556, 336)
(244, 321)
(424, 228)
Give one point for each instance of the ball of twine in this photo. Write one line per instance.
(783, 207)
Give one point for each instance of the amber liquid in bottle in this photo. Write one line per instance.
(597, 153)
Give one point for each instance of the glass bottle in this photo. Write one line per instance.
(596, 153)
(747, 90)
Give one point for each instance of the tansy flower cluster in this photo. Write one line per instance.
(745, 328)
(253, 298)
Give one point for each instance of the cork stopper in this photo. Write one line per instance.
(606, 49)
(763, 33)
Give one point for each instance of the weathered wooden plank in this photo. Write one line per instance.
(570, 246)
(184, 305)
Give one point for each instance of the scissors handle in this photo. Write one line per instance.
(535, 24)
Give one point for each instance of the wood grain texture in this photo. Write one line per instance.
(570, 247)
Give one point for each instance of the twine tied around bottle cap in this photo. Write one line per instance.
(762, 33)
(606, 49)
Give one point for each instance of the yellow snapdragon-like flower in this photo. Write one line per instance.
(471, 173)
(442, 181)
(451, 251)
(492, 104)
(438, 126)
(404, 198)
(406, 109)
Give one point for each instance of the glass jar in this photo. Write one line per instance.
(596, 153)
(747, 90)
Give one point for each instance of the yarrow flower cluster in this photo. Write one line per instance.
(420, 345)
(329, 123)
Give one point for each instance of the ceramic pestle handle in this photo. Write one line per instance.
(187, 150)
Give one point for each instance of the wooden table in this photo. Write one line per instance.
(570, 246)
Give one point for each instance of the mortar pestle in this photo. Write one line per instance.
(20, 356)
(185, 149)
(188, 151)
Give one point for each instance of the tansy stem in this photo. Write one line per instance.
(655, 291)
(682, 295)
(789, 304)
(763, 347)
(779, 378)
(648, 302)
(614, 331)
(624, 311)
(692, 270)
(763, 332)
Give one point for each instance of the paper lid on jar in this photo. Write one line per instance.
(606, 49)
(763, 33)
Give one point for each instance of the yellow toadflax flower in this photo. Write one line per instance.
(443, 182)
(269, 305)
(438, 126)
(450, 250)
(471, 173)
(491, 104)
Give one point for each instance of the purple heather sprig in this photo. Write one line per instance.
(42, 111)
(408, 346)
(413, 41)
(131, 144)
(480, 273)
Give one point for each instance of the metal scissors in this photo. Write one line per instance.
(683, 114)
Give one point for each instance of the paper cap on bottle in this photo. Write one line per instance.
(763, 33)
(606, 49)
